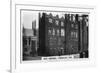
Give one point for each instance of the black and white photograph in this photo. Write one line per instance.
(51, 34)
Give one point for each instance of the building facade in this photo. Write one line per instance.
(57, 35)
(30, 40)
(63, 35)
(72, 34)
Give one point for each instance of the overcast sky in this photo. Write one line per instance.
(27, 18)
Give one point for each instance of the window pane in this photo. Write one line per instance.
(62, 23)
(62, 32)
(57, 22)
(50, 20)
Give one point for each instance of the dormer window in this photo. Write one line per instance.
(50, 20)
(57, 22)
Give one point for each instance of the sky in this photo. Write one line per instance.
(27, 17)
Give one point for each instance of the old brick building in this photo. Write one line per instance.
(63, 35)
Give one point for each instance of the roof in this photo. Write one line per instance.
(28, 32)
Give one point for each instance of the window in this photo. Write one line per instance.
(53, 31)
(49, 32)
(57, 22)
(74, 18)
(62, 32)
(74, 34)
(62, 23)
(50, 20)
(72, 25)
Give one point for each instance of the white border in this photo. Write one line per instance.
(17, 67)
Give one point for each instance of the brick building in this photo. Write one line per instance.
(57, 35)
(63, 35)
